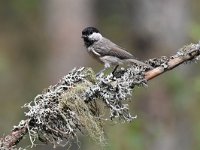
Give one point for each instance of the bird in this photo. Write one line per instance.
(105, 51)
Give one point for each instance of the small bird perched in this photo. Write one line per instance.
(106, 51)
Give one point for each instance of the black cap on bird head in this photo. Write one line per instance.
(86, 33)
(89, 30)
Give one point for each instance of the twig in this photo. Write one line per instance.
(11, 140)
(192, 51)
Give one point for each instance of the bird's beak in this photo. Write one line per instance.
(83, 36)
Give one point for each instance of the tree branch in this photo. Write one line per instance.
(185, 54)
(73, 103)
(11, 140)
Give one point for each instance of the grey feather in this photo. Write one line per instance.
(111, 54)
(105, 47)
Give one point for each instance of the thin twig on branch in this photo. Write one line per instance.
(191, 52)
(71, 105)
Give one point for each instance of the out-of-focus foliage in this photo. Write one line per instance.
(168, 111)
(22, 53)
(195, 31)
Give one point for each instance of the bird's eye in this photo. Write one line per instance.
(90, 32)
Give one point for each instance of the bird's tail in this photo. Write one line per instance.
(137, 62)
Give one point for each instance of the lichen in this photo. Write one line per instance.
(73, 105)
(58, 113)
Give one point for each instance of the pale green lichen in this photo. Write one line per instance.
(73, 100)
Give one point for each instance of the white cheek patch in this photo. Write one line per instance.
(95, 36)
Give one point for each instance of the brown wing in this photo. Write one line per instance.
(120, 53)
(108, 48)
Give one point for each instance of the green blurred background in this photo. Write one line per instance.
(40, 42)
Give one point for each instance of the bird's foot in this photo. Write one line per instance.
(100, 72)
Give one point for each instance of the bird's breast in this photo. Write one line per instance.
(94, 54)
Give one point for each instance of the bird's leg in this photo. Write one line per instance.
(102, 70)
(115, 69)
(106, 66)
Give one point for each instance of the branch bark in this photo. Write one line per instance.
(193, 50)
(12, 139)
